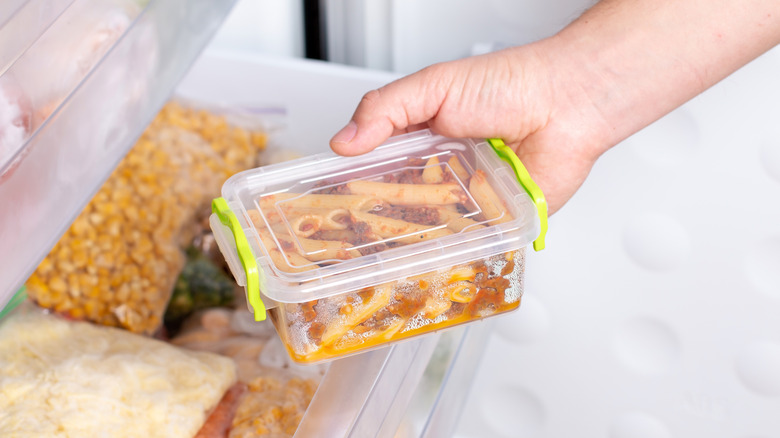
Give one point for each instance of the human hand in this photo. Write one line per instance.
(563, 101)
(511, 94)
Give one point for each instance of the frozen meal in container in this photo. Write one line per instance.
(351, 253)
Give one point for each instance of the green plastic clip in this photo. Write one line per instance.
(525, 180)
(220, 207)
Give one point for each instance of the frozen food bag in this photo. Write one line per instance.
(118, 262)
(276, 391)
(61, 378)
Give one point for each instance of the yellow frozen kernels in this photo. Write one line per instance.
(118, 261)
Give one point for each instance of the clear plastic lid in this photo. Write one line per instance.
(327, 224)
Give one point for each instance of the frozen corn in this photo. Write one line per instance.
(118, 262)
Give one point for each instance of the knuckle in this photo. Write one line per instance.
(371, 98)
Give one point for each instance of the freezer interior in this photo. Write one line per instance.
(102, 123)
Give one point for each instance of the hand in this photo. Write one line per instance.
(510, 94)
(563, 101)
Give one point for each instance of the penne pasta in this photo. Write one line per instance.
(306, 225)
(410, 194)
(360, 313)
(455, 220)
(332, 219)
(492, 207)
(368, 337)
(432, 174)
(290, 261)
(314, 200)
(436, 305)
(283, 260)
(270, 217)
(342, 281)
(396, 229)
(379, 335)
(319, 250)
(256, 219)
(314, 250)
(461, 292)
(267, 202)
(339, 235)
(336, 219)
(397, 310)
(458, 168)
(461, 273)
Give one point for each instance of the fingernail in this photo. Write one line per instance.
(346, 134)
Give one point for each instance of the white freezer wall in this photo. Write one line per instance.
(653, 312)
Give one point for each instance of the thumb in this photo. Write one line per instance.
(401, 104)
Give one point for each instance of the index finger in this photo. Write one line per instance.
(400, 106)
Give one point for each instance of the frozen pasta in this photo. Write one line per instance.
(379, 249)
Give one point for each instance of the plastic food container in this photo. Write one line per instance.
(352, 253)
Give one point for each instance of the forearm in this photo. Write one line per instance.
(636, 60)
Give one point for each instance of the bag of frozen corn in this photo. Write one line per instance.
(118, 262)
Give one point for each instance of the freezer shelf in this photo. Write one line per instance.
(65, 160)
(436, 407)
(413, 389)
(366, 395)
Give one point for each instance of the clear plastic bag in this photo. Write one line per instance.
(278, 391)
(117, 263)
(72, 378)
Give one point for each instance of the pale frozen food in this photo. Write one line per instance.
(62, 378)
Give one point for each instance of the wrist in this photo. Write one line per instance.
(575, 101)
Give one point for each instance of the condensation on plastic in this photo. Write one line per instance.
(77, 146)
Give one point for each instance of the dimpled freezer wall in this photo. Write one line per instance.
(653, 310)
